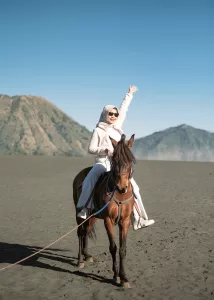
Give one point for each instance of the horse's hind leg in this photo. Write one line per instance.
(89, 231)
(112, 248)
(80, 233)
(85, 253)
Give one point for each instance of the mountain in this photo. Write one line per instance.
(31, 125)
(176, 143)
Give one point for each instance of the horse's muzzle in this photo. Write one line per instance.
(123, 190)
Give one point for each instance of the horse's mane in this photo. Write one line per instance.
(122, 156)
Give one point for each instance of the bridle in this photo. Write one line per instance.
(112, 175)
(119, 203)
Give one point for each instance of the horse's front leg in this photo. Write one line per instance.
(112, 247)
(123, 227)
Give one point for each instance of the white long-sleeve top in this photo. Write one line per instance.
(100, 138)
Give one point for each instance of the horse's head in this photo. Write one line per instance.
(122, 161)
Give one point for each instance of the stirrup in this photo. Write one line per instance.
(83, 214)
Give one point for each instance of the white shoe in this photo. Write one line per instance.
(141, 223)
(145, 223)
(136, 225)
(83, 213)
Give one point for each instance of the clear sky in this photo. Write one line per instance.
(82, 55)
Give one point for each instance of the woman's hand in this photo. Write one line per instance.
(133, 89)
(108, 152)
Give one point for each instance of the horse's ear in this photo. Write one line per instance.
(131, 141)
(123, 137)
(114, 143)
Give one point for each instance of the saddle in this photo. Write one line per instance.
(96, 204)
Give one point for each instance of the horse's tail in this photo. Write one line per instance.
(77, 184)
(75, 190)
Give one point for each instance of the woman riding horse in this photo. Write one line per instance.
(114, 200)
(109, 126)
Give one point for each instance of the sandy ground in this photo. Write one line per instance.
(173, 259)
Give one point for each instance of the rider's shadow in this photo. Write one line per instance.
(11, 253)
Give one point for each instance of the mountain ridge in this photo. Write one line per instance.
(182, 142)
(31, 125)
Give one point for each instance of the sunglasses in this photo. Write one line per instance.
(113, 114)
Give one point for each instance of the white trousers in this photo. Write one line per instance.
(92, 178)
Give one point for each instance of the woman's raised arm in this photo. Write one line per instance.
(124, 105)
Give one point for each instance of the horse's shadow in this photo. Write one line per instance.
(11, 253)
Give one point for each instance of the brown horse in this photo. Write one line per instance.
(113, 200)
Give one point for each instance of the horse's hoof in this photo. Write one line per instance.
(126, 285)
(89, 259)
(81, 265)
(116, 280)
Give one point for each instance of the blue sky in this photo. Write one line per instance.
(82, 55)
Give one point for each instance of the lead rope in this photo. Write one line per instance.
(48, 246)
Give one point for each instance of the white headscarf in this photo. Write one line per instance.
(103, 119)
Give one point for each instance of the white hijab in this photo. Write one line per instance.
(103, 119)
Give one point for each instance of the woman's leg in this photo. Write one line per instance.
(139, 200)
(88, 186)
(142, 220)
